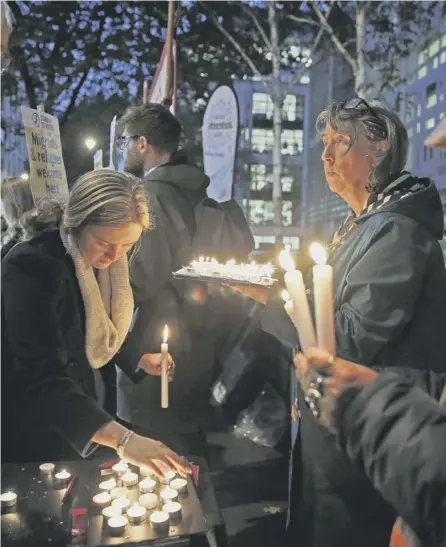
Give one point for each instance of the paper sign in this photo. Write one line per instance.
(46, 168)
(98, 160)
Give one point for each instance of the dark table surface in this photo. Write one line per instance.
(41, 518)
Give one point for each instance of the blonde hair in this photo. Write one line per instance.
(17, 199)
(98, 198)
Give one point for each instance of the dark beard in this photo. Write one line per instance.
(136, 169)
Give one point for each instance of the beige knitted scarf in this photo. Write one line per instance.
(108, 302)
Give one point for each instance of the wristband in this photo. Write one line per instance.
(123, 443)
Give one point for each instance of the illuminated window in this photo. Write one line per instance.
(423, 56)
(422, 72)
(443, 57)
(430, 124)
(262, 140)
(287, 183)
(435, 63)
(292, 142)
(292, 109)
(434, 48)
(419, 110)
(305, 79)
(431, 95)
(261, 211)
(418, 127)
(287, 213)
(261, 177)
(262, 106)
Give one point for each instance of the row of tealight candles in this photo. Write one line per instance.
(115, 505)
(252, 272)
(296, 301)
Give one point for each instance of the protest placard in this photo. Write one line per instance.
(46, 168)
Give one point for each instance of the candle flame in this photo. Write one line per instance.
(165, 334)
(285, 295)
(286, 260)
(318, 253)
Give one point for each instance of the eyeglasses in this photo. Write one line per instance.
(122, 142)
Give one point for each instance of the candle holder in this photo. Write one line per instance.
(159, 521)
(8, 500)
(111, 511)
(149, 501)
(119, 492)
(129, 479)
(122, 503)
(62, 478)
(180, 485)
(147, 485)
(169, 476)
(47, 468)
(120, 468)
(174, 510)
(136, 514)
(117, 525)
(102, 500)
(168, 494)
(107, 486)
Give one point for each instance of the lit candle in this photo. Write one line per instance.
(173, 509)
(164, 371)
(116, 525)
(107, 485)
(180, 485)
(119, 492)
(120, 468)
(111, 511)
(122, 503)
(147, 485)
(136, 514)
(300, 308)
(63, 477)
(103, 499)
(47, 468)
(8, 499)
(169, 494)
(129, 479)
(159, 520)
(149, 501)
(323, 299)
(169, 476)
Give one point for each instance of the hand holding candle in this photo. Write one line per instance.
(164, 370)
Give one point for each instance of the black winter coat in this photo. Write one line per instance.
(49, 407)
(396, 433)
(390, 310)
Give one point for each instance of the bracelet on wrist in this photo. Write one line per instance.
(123, 443)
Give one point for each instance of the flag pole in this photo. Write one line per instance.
(169, 44)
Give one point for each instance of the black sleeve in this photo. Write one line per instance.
(381, 289)
(32, 295)
(396, 433)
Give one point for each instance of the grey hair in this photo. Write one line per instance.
(98, 198)
(377, 123)
(17, 199)
(8, 18)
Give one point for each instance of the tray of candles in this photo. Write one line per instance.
(229, 273)
(132, 506)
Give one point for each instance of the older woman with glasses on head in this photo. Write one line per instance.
(390, 309)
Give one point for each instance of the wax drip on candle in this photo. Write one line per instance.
(318, 253)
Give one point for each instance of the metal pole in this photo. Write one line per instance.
(169, 44)
(145, 92)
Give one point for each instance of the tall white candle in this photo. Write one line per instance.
(164, 371)
(323, 299)
(299, 309)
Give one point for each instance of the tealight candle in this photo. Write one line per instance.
(180, 485)
(107, 485)
(111, 511)
(173, 509)
(129, 479)
(120, 468)
(102, 499)
(159, 520)
(169, 476)
(116, 525)
(47, 468)
(63, 477)
(147, 485)
(149, 501)
(8, 499)
(122, 503)
(168, 494)
(136, 514)
(120, 492)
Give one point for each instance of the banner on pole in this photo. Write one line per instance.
(46, 167)
(220, 138)
(98, 160)
(158, 90)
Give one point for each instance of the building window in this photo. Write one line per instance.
(435, 63)
(261, 211)
(422, 57)
(287, 183)
(434, 47)
(287, 213)
(409, 106)
(443, 57)
(419, 110)
(262, 106)
(261, 177)
(292, 142)
(293, 107)
(422, 72)
(418, 127)
(430, 124)
(431, 95)
(262, 140)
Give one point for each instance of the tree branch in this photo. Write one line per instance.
(74, 96)
(248, 10)
(327, 27)
(303, 20)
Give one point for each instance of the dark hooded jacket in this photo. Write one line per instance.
(390, 310)
(174, 189)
